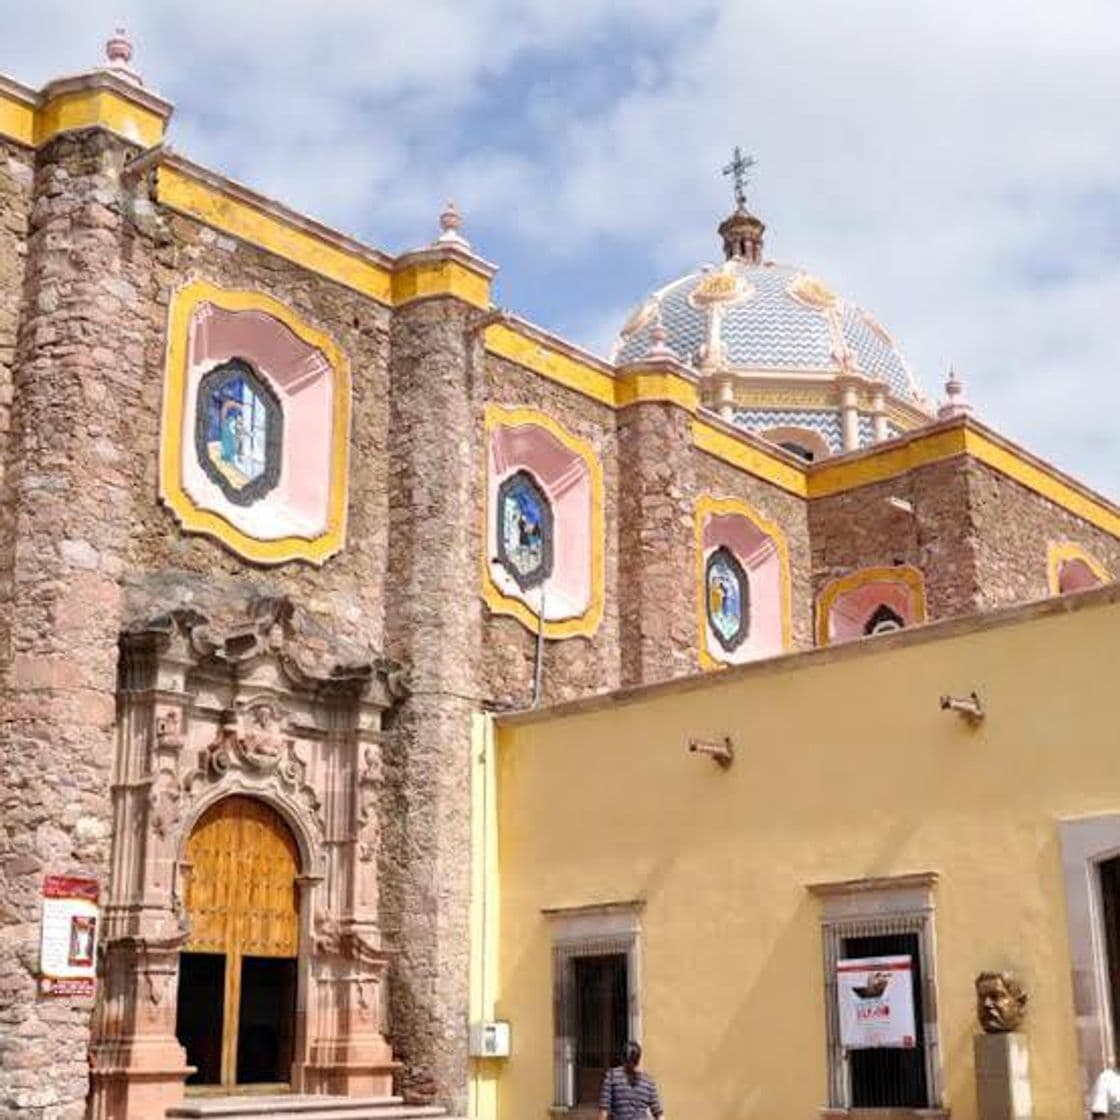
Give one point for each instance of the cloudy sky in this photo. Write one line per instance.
(951, 165)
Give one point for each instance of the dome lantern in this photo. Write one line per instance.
(741, 230)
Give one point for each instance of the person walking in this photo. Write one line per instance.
(628, 1092)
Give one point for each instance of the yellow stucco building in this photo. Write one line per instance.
(621, 875)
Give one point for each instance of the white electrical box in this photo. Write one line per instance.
(489, 1040)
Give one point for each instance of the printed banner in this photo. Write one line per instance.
(876, 998)
(68, 941)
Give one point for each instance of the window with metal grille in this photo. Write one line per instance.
(868, 918)
(890, 1076)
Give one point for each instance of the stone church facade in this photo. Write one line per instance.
(281, 514)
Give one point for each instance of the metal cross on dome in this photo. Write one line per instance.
(738, 168)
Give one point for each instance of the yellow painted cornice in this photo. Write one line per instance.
(889, 460)
(518, 342)
(657, 383)
(438, 272)
(227, 206)
(951, 438)
(95, 100)
(748, 454)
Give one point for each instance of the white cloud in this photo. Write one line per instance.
(934, 161)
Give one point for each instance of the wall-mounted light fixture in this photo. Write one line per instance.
(902, 505)
(719, 751)
(967, 706)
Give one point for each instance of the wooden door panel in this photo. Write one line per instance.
(241, 897)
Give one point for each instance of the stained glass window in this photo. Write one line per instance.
(525, 528)
(728, 598)
(239, 431)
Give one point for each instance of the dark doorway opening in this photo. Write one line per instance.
(890, 1077)
(602, 1020)
(266, 1021)
(198, 1018)
(1110, 899)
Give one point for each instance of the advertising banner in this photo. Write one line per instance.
(876, 998)
(68, 941)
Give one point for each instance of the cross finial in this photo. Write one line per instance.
(738, 168)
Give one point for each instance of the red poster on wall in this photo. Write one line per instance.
(68, 939)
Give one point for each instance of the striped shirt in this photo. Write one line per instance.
(623, 1099)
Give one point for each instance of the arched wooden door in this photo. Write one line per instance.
(237, 977)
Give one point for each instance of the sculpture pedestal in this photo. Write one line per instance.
(1003, 1083)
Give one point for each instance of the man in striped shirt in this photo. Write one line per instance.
(629, 1093)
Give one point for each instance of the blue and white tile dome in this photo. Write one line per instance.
(770, 317)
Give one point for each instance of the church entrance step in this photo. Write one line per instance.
(297, 1107)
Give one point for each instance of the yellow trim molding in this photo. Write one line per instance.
(899, 573)
(444, 276)
(509, 341)
(644, 386)
(707, 505)
(98, 108)
(587, 623)
(739, 453)
(17, 113)
(1058, 552)
(875, 465)
(314, 550)
(271, 227)
(1043, 480)
(95, 100)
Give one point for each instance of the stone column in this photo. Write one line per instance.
(656, 543)
(433, 626)
(78, 377)
(849, 415)
(879, 416)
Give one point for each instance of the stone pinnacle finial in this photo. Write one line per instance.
(659, 339)
(450, 221)
(954, 403)
(118, 56)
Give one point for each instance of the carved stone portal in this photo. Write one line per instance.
(203, 716)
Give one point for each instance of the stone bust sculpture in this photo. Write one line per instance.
(1001, 1003)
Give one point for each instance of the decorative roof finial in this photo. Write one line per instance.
(954, 403)
(450, 221)
(659, 338)
(741, 230)
(118, 56)
(738, 168)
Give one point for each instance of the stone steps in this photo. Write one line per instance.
(286, 1106)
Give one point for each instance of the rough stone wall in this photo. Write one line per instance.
(722, 480)
(1013, 527)
(433, 617)
(164, 250)
(78, 378)
(89, 548)
(17, 170)
(859, 529)
(575, 666)
(656, 567)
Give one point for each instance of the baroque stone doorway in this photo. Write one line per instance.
(244, 888)
(237, 974)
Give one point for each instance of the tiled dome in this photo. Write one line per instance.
(766, 317)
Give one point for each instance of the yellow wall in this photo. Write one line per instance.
(846, 768)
